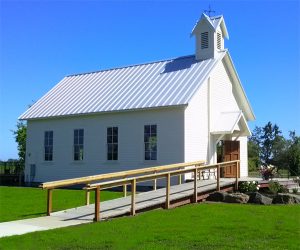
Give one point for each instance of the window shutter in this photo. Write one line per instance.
(219, 41)
(204, 40)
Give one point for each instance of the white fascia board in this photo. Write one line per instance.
(203, 18)
(223, 28)
(249, 114)
(221, 133)
(206, 18)
(248, 131)
(159, 108)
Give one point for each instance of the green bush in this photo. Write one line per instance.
(275, 187)
(248, 186)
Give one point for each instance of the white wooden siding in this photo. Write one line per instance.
(222, 98)
(196, 128)
(170, 125)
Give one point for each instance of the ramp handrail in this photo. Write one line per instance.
(121, 174)
(132, 177)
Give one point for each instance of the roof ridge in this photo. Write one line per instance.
(128, 66)
(216, 17)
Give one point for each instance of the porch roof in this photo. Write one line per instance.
(230, 122)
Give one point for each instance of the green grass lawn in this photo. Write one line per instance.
(19, 202)
(200, 226)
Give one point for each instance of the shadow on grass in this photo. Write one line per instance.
(27, 216)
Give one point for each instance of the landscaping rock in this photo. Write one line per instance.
(236, 198)
(258, 198)
(286, 199)
(217, 196)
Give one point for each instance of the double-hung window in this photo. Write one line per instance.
(48, 146)
(112, 143)
(78, 144)
(150, 141)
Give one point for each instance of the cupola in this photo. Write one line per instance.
(209, 33)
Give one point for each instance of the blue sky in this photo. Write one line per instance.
(43, 41)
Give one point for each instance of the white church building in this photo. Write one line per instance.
(150, 114)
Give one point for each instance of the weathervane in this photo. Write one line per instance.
(209, 11)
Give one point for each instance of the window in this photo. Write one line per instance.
(219, 41)
(48, 146)
(204, 40)
(78, 144)
(112, 143)
(150, 141)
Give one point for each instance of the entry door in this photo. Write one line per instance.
(231, 152)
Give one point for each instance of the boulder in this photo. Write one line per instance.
(286, 199)
(217, 196)
(257, 198)
(236, 198)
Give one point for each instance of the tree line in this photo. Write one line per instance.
(267, 146)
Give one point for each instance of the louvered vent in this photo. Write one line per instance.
(219, 41)
(204, 40)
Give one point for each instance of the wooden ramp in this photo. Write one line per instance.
(176, 195)
(179, 195)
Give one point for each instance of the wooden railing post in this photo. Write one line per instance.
(49, 201)
(195, 185)
(218, 177)
(179, 178)
(124, 190)
(155, 182)
(237, 176)
(87, 197)
(168, 180)
(97, 204)
(133, 191)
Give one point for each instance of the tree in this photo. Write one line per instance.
(269, 142)
(293, 153)
(20, 137)
(267, 146)
(253, 156)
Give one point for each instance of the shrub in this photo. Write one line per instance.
(267, 172)
(275, 187)
(249, 186)
(283, 189)
(295, 190)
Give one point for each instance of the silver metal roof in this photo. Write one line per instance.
(151, 85)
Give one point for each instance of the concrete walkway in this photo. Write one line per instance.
(108, 209)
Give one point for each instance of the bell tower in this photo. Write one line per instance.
(209, 33)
